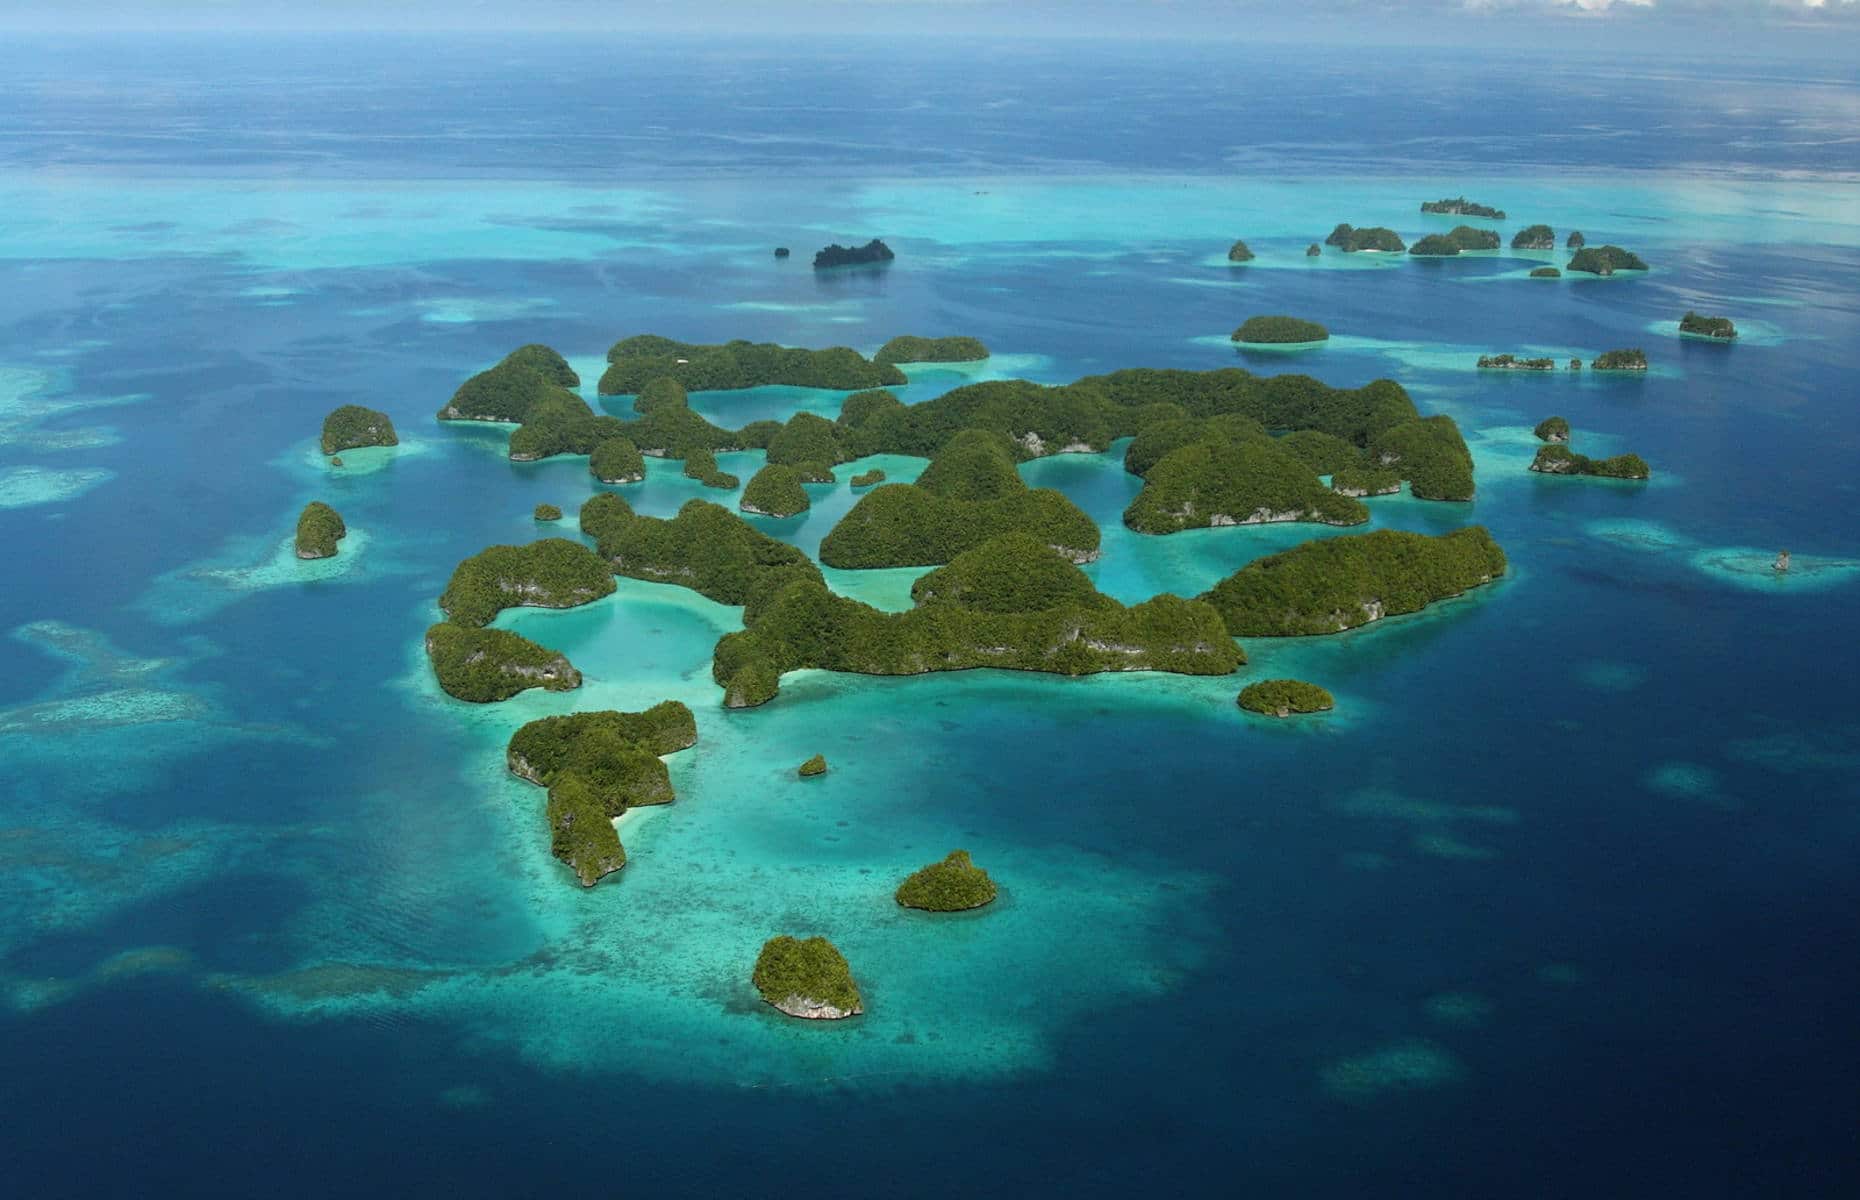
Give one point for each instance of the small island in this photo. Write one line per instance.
(1546, 273)
(1461, 237)
(1238, 253)
(1510, 362)
(1719, 329)
(706, 548)
(808, 979)
(1430, 453)
(866, 479)
(1279, 330)
(1375, 238)
(352, 426)
(1605, 260)
(547, 512)
(701, 465)
(551, 573)
(907, 348)
(616, 460)
(635, 362)
(319, 528)
(774, 491)
(1313, 250)
(1284, 697)
(1534, 237)
(488, 665)
(1552, 429)
(1620, 360)
(954, 884)
(781, 252)
(507, 391)
(1575, 241)
(1242, 480)
(1460, 206)
(816, 765)
(836, 255)
(1558, 459)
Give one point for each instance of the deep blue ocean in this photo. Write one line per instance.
(1561, 901)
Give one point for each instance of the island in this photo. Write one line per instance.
(866, 479)
(1377, 237)
(1313, 250)
(816, 765)
(706, 548)
(1249, 479)
(1546, 273)
(634, 362)
(701, 465)
(1510, 362)
(507, 391)
(1429, 453)
(1552, 429)
(547, 512)
(1716, 328)
(616, 460)
(1012, 602)
(1283, 697)
(1605, 260)
(1279, 330)
(774, 491)
(1460, 206)
(910, 349)
(1365, 480)
(561, 423)
(954, 884)
(351, 426)
(1339, 583)
(488, 665)
(836, 255)
(1620, 360)
(1575, 241)
(810, 444)
(1461, 237)
(1324, 453)
(1238, 253)
(319, 528)
(781, 252)
(1435, 245)
(1556, 459)
(807, 979)
(551, 573)
(1534, 237)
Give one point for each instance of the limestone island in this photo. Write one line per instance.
(1716, 328)
(506, 391)
(1534, 237)
(706, 548)
(1313, 250)
(617, 460)
(781, 252)
(1510, 362)
(816, 765)
(1575, 241)
(837, 255)
(1461, 237)
(1460, 206)
(1558, 459)
(701, 465)
(488, 665)
(1620, 360)
(1546, 273)
(1234, 473)
(1552, 429)
(955, 884)
(547, 512)
(634, 362)
(907, 348)
(1338, 583)
(866, 479)
(1238, 253)
(1276, 331)
(774, 491)
(1605, 260)
(353, 426)
(319, 528)
(808, 979)
(551, 573)
(1283, 697)
(1364, 480)
(1377, 237)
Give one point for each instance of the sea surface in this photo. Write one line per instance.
(1562, 900)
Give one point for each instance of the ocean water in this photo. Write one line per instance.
(1560, 900)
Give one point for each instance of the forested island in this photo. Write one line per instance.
(1460, 206)
(866, 479)
(1376, 237)
(774, 491)
(1510, 362)
(907, 348)
(1552, 429)
(1534, 237)
(351, 426)
(808, 979)
(836, 255)
(1558, 459)
(546, 512)
(1699, 325)
(486, 665)
(1279, 330)
(634, 362)
(551, 573)
(1546, 273)
(319, 528)
(813, 767)
(1232, 472)
(1621, 360)
(1285, 697)
(954, 884)
(1461, 237)
(1239, 253)
(1605, 260)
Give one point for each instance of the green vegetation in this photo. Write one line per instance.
(1546, 273)
(1621, 360)
(668, 428)
(952, 885)
(701, 465)
(775, 491)
(352, 425)
(1561, 460)
(1313, 250)
(1246, 481)
(1365, 480)
(616, 460)
(1338, 583)
(1279, 330)
(1460, 206)
(1552, 429)
(1238, 253)
(547, 512)
(816, 765)
(1468, 238)
(1508, 362)
(1605, 260)
(486, 665)
(1534, 237)
(1324, 453)
(809, 443)
(507, 391)
(1435, 245)
(866, 479)
(909, 349)
(545, 362)
(837, 255)
(705, 547)
(551, 573)
(561, 423)
(1693, 323)
(1011, 602)
(1430, 454)
(636, 361)
(806, 978)
(581, 831)
(1376, 237)
(1576, 240)
(968, 494)
(319, 528)
(1283, 697)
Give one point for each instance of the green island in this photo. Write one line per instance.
(1620, 360)
(908, 349)
(1338, 583)
(547, 512)
(1279, 331)
(1460, 206)
(1534, 237)
(1012, 603)
(1313, 250)
(1546, 273)
(1510, 362)
(782, 252)
(486, 665)
(1557, 459)
(1324, 453)
(561, 423)
(705, 547)
(1239, 253)
(816, 765)
(1429, 453)
(1717, 328)
(596, 765)
(634, 362)
(1575, 241)
(1235, 474)
(810, 444)
(507, 391)
(669, 428)
(774, 491)
(1364, 480)
(1461, 237)
(954, 884)
(836, 255)
(352, 426)
(808, 979)
(319, 528)
(1284, 697)
(970, 493)
(1552, 429)
(617, 460)
(701, 465)
(1377, 237)
(866, 479)
(1605, 260)
(551, 573)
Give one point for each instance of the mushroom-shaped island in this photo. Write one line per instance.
(1283, 697)
(1605, 260)
(1552, 429)
(352, 426)
(774, 491)
(319, 528)
(1313, 250)
(547, 512)
(1350, 240)
(616, 460)
(954, 884)
(1575, 240)
(1620, 360)
(1717, 328)
(1279, 330)
(806, 978)
(1534, 237)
